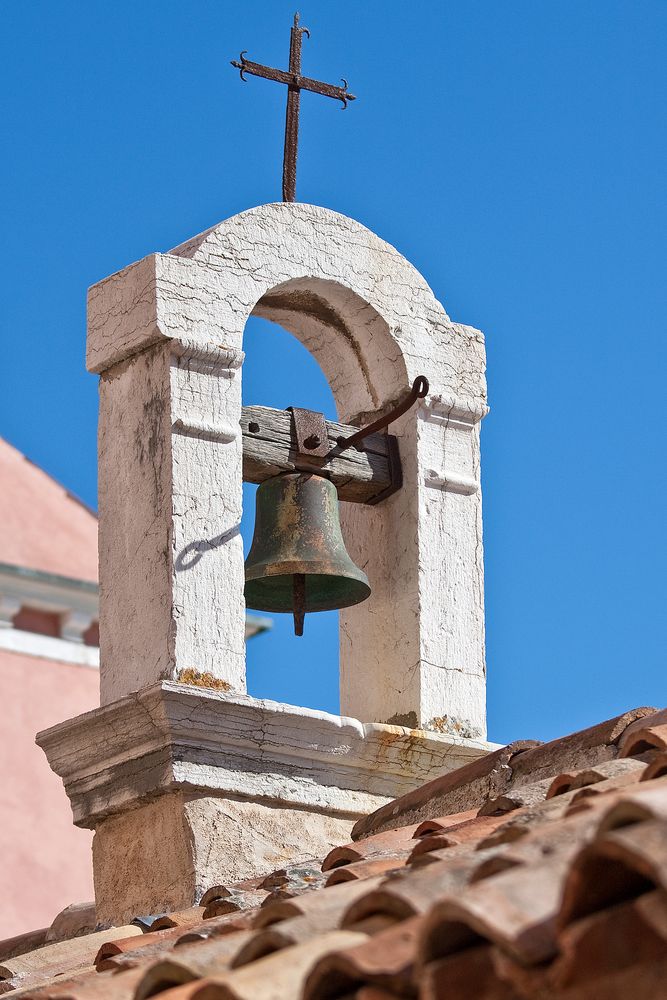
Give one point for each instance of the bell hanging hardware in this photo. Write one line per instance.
(298, 562)
(419, 390)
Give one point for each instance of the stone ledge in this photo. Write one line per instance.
(175, 737)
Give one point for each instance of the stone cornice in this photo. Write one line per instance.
(178, 737)
(450, 409)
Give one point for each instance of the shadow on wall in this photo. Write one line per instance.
(192, 553)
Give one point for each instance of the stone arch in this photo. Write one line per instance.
(414, 653)
(349, 339)
(313, 265)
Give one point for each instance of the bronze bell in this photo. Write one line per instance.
(298, 561)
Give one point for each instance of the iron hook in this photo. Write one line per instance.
(241, 65)
(297, 18)
(419, 390)
(345, 96)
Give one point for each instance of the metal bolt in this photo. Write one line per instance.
(313, 441)
(253, 427)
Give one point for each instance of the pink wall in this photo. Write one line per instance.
(42, 525)
(46, 861)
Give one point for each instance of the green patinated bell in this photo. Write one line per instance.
(298, 561)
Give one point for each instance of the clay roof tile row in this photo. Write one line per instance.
(539, 871)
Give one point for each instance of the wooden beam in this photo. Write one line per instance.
(270, 448)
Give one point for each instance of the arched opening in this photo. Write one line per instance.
(279, 371)
(318, 345)
(325, 349)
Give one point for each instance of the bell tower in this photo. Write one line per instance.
(178, 754)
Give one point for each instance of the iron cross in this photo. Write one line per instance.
(295, 84)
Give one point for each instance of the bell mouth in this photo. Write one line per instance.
(323, 592)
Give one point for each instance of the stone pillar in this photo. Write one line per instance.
(177, 743)
(414, 654)
(171, 560)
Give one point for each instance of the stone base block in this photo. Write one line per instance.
(188, 787)
(165, 855)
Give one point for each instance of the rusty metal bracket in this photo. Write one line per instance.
(419, 389)
(312, 439)
(310, 430)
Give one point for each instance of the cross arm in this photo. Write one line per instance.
(326, 89)
(293, 80)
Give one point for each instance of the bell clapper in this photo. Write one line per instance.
(299, 592)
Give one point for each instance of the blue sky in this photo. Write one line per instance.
(514, 152)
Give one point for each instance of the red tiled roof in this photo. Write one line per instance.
(537, 872)
(42, 526)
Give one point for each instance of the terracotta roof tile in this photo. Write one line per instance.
(581, 749)
(646, 738)
(91, 985)
(515, 909)
(56, 986)
(604, 790)
(135, 950)
(298, 930)
(472, 831)
(520, 822)
(181, 918)
(618, 865)
(643, 801)
(385, 960)
(516, 797)
(469, 975)
(414, 891)
(282, 974)
(338, 898)
(227, 923)
(656, 769)
(380, 845)
(290, 881)
(629, 770)
(365, 869)
(63, 956)
(73, 921)
(527, 875)
(198, 960)
(441, 824)
(466, 788)
(616, 938)
(543, 842)
(22, 943)
(371, 993)
(234, 901)
(654, 719)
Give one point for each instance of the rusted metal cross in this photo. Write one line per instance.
(295, 84)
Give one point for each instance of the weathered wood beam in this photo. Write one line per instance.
(269, 448)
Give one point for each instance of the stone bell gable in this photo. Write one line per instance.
(178, 746)
(166, 335)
